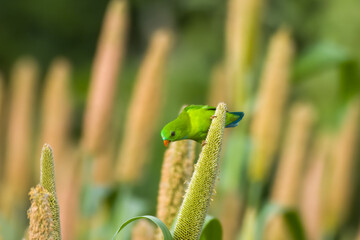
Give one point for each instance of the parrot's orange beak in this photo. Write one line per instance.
(166, 142)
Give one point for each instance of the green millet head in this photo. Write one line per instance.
(198, 196)
(47, 180)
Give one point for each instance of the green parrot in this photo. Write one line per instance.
(194, 123)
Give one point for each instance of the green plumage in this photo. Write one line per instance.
(194, 122)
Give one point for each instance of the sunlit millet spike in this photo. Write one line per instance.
(341, 169)
(108, 59)
(68, 192)
(19, 130)
(292, 159)
(47, 180)
(269, 108)
(142, 117)
(176, 171)
(291, 165)
(243, 19)
(230, 216)
(56, 109)
(56, 104)
(199, 193)
(310, 200)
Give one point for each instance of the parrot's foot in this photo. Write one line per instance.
(203, 143)
(213, 116)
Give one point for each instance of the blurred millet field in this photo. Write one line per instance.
(85, 89)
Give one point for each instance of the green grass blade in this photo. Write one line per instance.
(289, 215)
(212, 229)
(158, 222)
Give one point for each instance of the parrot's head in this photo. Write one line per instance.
(173, 131)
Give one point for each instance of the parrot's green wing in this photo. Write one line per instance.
(199, 107)
(200, 120)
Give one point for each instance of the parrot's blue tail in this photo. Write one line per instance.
(236, 122)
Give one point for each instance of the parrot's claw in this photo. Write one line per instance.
(213, 116)
(203, 143)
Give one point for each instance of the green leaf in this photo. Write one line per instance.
(158, 222)
(349, 79)
(212, 229)
(92, 197)
(318, 58)
(290, 216)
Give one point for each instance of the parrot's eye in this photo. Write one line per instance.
(173, 134)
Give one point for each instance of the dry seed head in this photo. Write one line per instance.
(108, 59)
(241, 36)
(143, 230)
(40, 216)
(340, 171)
(56, 105)
(310, 201)
(271, 101)
(56, 109)
(289, 172)
(144, 109)
(68, 192)
(197, 198)
(177, 168)
(47, 180)
(20, 125)
(231, 215)
(292, 159)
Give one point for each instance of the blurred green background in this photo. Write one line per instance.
(325, 70)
